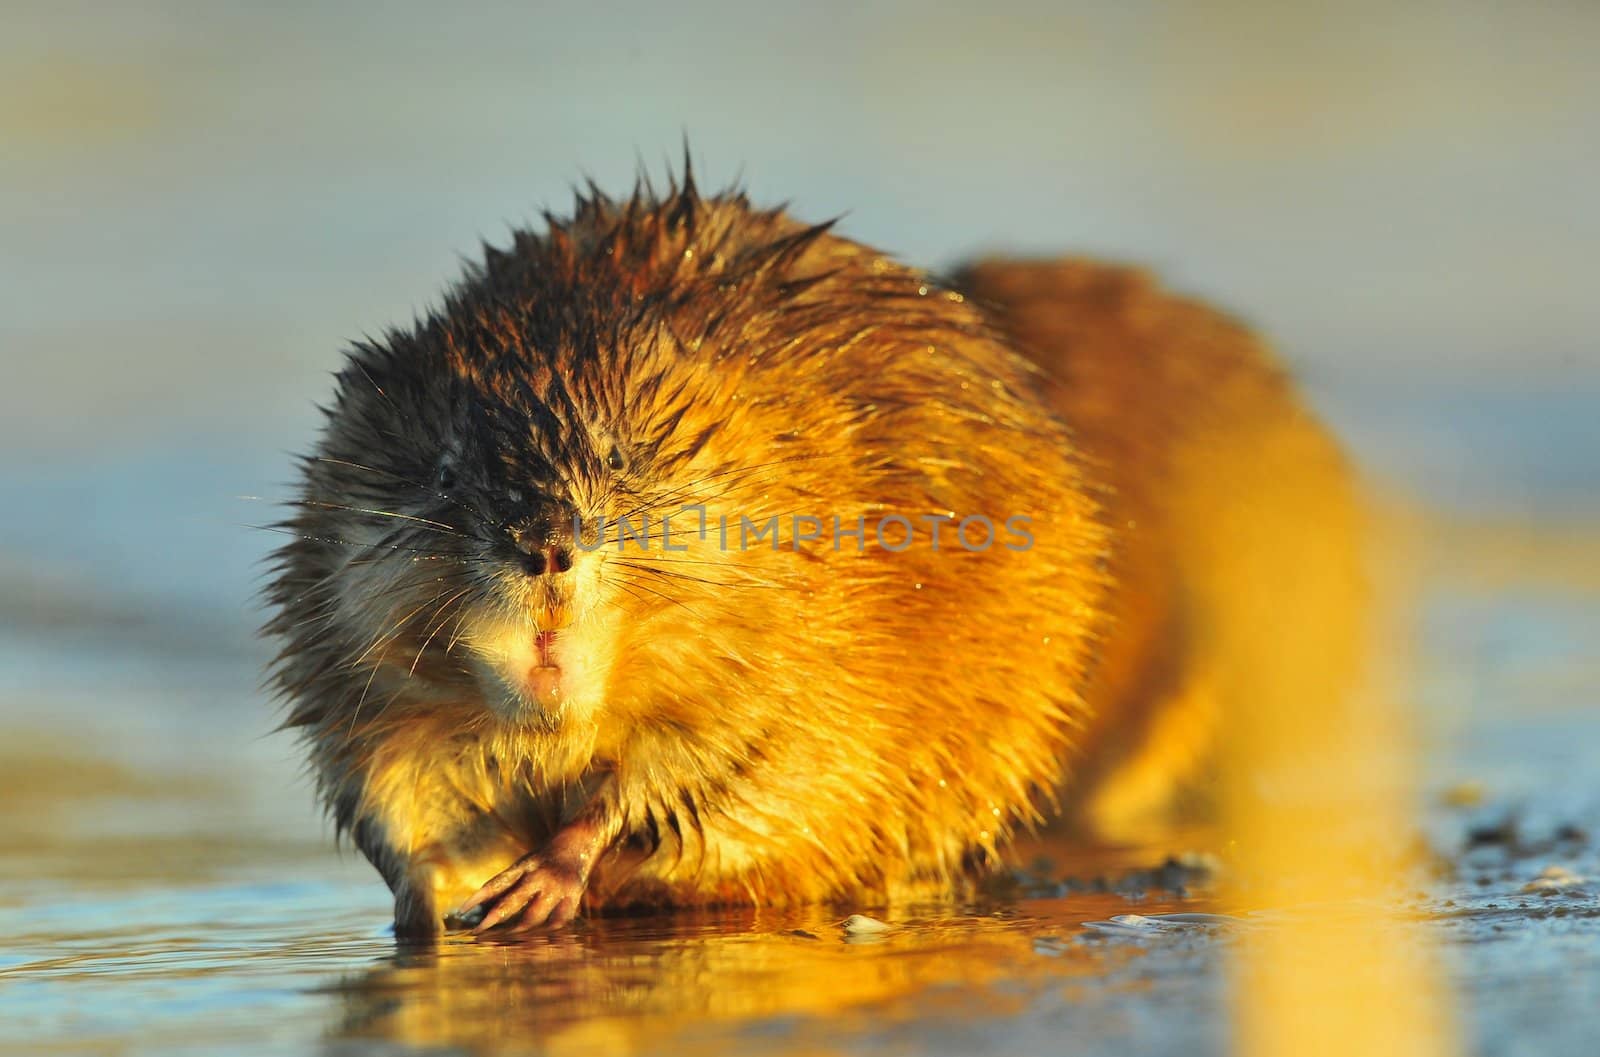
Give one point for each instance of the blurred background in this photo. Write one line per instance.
(201, 203)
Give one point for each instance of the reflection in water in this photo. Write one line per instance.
(158, 895)
(717, 981)
(1318, 792)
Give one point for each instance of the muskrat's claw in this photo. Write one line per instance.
(530, 893)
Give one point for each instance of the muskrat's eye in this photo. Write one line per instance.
(445, 477)
(614, 459)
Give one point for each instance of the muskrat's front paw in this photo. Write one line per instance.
(532, 892)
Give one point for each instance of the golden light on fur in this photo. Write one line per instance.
(848, 698)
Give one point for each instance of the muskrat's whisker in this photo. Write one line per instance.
(319, 504)
(438, 556)
(395, 632)
(401, 585)
(447, 497)
(408, 578)
(667, 574)
(455, 632)
(690, 499)
(288, 531)
(374, 512)
(366, 688)
(674, 495)
(675, 560)
(666, 598)
(328, 600)
(620, 542)
(628, 589)
(444, 608)
(416, 579)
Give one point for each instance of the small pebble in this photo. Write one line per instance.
(1500, 833)
(1464, 794)
(1161, 924)
(1553, 879)
(860, 925)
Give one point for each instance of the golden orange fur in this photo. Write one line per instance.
(1224, 493)
(793, 719)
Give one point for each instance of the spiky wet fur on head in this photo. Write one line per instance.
(776, 724)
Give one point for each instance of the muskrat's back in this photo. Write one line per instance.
(995, 540)
(1237, 526)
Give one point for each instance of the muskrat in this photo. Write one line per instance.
(689, 554)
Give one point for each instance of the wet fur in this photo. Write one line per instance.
(759, 726)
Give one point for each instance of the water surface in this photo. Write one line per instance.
(165, 887)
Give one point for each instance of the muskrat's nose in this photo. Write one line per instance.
(545, 546)
(538, 561)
